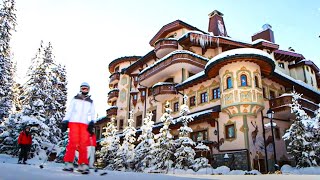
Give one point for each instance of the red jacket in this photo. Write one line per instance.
(92, 140)
(24, 138)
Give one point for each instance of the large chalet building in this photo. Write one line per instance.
(230, 86)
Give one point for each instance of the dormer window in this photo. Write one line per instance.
(281, 65)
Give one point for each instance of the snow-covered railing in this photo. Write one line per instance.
(112, 111)
(165, 43)
(164, 88)
(177, 56)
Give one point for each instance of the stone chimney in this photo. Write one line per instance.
(266, 34)
(216, 24)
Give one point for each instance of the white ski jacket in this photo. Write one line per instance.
(81, 110)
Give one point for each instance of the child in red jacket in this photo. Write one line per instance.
(24, 141)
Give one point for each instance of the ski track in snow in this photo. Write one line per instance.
(10, 170)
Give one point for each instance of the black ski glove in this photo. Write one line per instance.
(64, 126)
(90, 127)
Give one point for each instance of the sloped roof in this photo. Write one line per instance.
(175, 25)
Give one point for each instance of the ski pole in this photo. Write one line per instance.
(41, 166)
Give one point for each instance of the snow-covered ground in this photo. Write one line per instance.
(10, 170)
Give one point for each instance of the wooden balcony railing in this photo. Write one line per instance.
(166, 43)
(282, 103)
(113, 94)
(179, 57)
(112, 111)
(114, 77)
(164, 88)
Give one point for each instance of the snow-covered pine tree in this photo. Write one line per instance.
(316, 132)
(7, 25)
(184, 155)
(127, 148)
(201, 162)
(110, 146)
(301, 136)
(164, 146)
(10, 132)
(63, 147)
(55, 103)
(143, 152)
(44, 99)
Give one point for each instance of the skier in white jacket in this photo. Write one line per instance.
(79, 119)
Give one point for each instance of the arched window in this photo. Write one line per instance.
(229, 83)
(256, 81)
(243, 79)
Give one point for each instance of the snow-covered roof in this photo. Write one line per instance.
(112, 107)
(115, 89)
(307, 86)
(239, 51)
(173, 53)
(192, 78)
(260, 40)
(162, 83)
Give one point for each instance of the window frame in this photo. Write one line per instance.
(192, 101)
(203, 97)
(229, 86)
(245, 83)
(227, 127)
(217, 92)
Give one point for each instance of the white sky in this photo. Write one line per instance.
(87, 34)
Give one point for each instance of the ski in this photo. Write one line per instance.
(103, 173)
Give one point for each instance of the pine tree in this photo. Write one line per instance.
(127, 148)
(63, 147)
(143, 152)
(164, 146)
(303, 142)
(110, 146)
(7, 25)
(9, 136)
(184, 155)
(201, 162)
(44, 98)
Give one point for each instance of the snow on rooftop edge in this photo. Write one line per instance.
(239, 52)
(170, 54)
(307, 86)
(196, 76)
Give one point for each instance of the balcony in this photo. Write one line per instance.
(169, 65)
(165, 46)
(114, 78)
(164, 90)
(113, 95)
(281, 106)
(112, 111)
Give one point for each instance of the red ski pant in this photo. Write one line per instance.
(78, 140)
